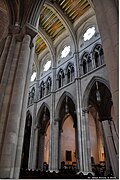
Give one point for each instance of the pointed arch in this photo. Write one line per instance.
(98, 54)
(85, 62)
(41, 109)
(28, 113)
(89, 86)
(47, 41)
(13, 11)
(69, 72)
(95, 45)
(48, 85)
(60, 78)
(35, 12)
(58, 106)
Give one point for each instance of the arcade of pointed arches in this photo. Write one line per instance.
(67, 139)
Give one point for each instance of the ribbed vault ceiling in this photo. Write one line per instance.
(51, 22)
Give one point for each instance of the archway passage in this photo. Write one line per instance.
(46, 148)
(67, 144)
(100, 105)
(100, 98)
(26, 143)
(68, 147)
(43, 138)
(97, 151)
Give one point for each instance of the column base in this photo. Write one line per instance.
(86, 172)
(4, 173)
(57, 171)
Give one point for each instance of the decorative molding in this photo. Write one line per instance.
(85, 110)
(57, 119)
(105, 118)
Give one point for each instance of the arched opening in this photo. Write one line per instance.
(42, 89)
(98, 55)
(84, 67)
(68, 75)
(89, 61)
(46, 148)
(97, 145)
(70, 72)
(43, 139)
(68, 131)
(101, 55)
(68, 147)
(26, 142)
(99, 104)
(48, 85)
(96, 59)
(61, 77)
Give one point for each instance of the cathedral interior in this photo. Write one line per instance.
(59, 89)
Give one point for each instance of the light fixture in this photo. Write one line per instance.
(44, 115)
(66, 105)
(98, 93)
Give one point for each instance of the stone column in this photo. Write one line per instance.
(23, 114)
(66, 77)
(6, 83)
(54, 138)
(111, 147)
(54, 163)
(107, 18)
(4, 55)
(86, 141)
(40, 153)
(81, 69)
(54, 123)
(107, 158)
(92, 61)
(33, 131)
(79, 113)
(14, 84)
(59, 145)
(77, 150)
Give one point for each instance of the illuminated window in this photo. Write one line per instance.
(89, 33)
(65, 51)
(33, 76)
(47, 66)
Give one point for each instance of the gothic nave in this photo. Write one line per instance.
(59, 89)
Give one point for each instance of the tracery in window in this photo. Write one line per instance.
(96, 59)
(31, 96)
(42, 89)
(89, 62)
(70, 73)
(33, 77)
(98, 55)
(47, 66)
(89, 33)
(48, 85)
(85, 60)
(84, 66)
(61, 77)
(65, 51)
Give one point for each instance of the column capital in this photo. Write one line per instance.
(21, 31)
(105, 118)
(85, 110)
(56, 120)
